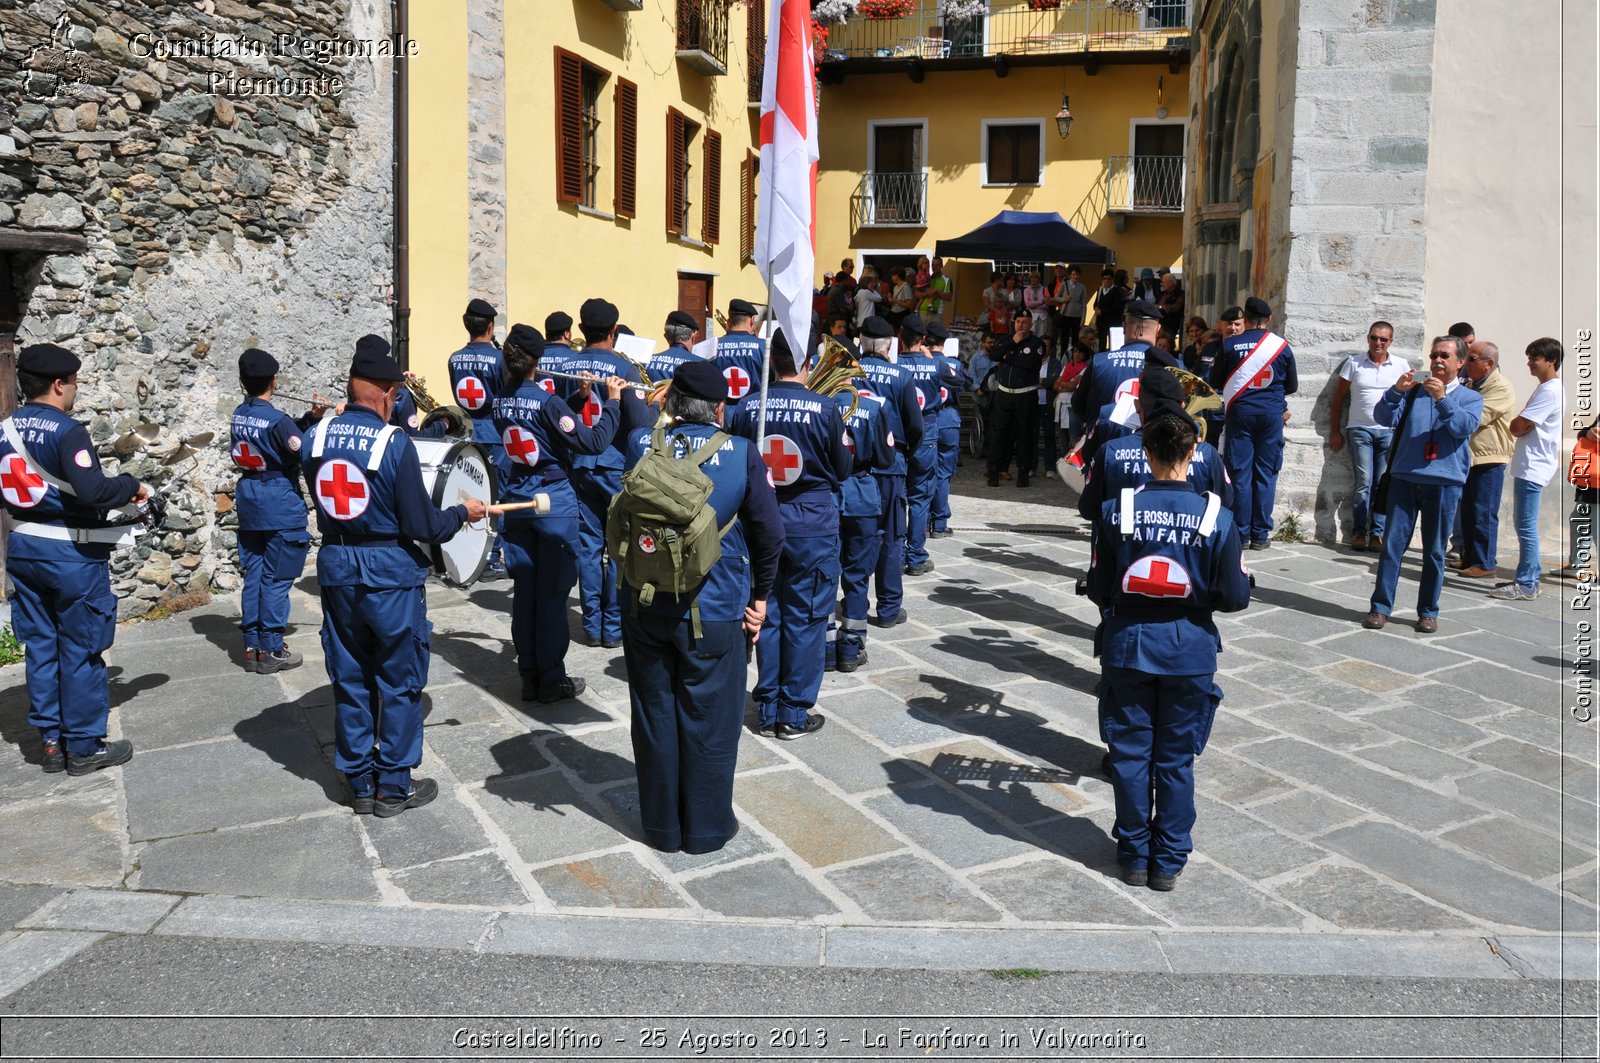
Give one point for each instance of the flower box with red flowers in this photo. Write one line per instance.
(886, 9)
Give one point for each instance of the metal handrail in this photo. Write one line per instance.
(890, 199)
(1145, 184)
(703, 26)
(1015, 29)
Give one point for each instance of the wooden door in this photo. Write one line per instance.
(694, 298)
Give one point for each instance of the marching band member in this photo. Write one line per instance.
(1110, 375)
(741, 354)
(1255, 372)
(894, 386)
(860, 518)
(476, 376)
(680, 332)
(953, 381)
(922, 472)
(806, 457)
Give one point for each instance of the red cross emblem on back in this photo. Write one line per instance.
(738, 382)
(246, 457)
(522, 446)
(1154, 576)
(783, 460)
(342, 490)
(470, 392)
(549, 384)
(1128, 388)
(20, 485)
(922, 400)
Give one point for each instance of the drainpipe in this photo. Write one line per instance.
(399, 26)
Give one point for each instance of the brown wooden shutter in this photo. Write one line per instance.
(711, 222)
(676, 164)
(626, 202)
(747, 202)
(569, 127)
(756, 42)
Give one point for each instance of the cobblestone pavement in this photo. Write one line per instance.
(1370, 802)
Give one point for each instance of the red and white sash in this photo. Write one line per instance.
(1255, 363)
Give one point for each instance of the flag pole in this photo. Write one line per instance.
(766, 365)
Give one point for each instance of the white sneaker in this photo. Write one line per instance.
(1514, 592)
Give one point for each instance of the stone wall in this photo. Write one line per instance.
(216, 219)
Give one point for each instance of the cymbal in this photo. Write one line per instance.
(199, 439)
(136, 438)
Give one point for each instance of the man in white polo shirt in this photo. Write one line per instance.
(1364, 378)
(1538, 456)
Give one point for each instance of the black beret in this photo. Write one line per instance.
(480, 308)
(526, 338)
(700, 379)
(597, 314)
(1255, 307)
(372, 361)
(558, 322)
(47, 360)
(257, 363)
(1141, 309)
(740, 308)
(936, 330)
(624, 330)
(1233, 313)
(682, 320)
(912, 323)
(876, 328)
(1157, 384)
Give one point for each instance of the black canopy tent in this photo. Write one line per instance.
(1026, 236)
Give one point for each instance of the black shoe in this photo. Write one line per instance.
(941, 533)
(899, 618)
(611, 644)
(109, 755)
(530, 688)
(362, 805)
(422, 791)
(768, 729)
(850, 664)
(570, 687)
(280, 660)
(1163, 883)
(917, 570)
(54, 759)
(1260, 544)
(1135, 876)
(252, 657)
(790, 731)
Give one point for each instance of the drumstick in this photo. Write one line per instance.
(539, 504)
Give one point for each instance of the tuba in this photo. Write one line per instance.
(454, 417)
(835, 371)
(1199, 398)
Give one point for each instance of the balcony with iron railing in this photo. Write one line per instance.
(703, 35)
(1014, 29)
(1144, 184)
(890, 199)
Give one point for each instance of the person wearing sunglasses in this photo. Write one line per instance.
(1364, 378)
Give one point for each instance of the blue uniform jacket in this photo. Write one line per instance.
(1105, 373)
(893, 384)
(739, 358)
(1444, 427)
(750, 548)
(1122, 463)
(539, 436)
(477, 374)
(1266, 394)
(64, 453)
(1159, 585)
(602, 362)
(953, 381)
(388, 506)
(869, 445)
(924, 370)
(266, 448)
(806, 454)
(662, 366)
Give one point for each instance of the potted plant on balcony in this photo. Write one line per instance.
(833, 12)
(954, 11)
(1044, 5)
(886, 9)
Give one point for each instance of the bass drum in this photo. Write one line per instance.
(457, 425)
(1070, 467)
(453, 471)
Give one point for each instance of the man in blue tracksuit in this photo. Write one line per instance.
(922, 470)
(860, 521)
(540, 436)
(1164, 559)
(806, 456)
(1433, 421)
(1255, 372)
(740, 354)
(953, 382)
(680, 332)
(688, 690)
(58, 559)
(266, 446)
(477, 373)
(375, 514)
(597, 477)
(894, 386)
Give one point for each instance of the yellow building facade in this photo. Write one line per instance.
(528, 184)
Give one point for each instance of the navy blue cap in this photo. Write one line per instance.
(682, 320)
(876, 328)
(257, 363)
(1141, 308)
(372, 361)
(526, 338)
(700, 379)
(936, 330)
(1233, 313)
(47, 360)
(740, 308)
(1160, 390)
(557, 322)
(913, 323)
(597, 314)
(480, 308)
(1256, 307)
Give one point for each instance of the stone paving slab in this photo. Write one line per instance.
(108, 910)
(38, 952)
(265, 861)
(18, 902)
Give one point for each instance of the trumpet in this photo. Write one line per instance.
(835, 371)
(454, 417)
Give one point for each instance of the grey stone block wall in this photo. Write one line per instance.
(215, 220)
(486, 170)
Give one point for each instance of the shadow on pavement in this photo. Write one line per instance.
(124, 692)
(1011, 558)
(260, 731)
(1023, 658)
(1008, 606)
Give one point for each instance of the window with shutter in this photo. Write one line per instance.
(569, 127)
(677, 170)
(711, 217)
(756, 41)
(627, 126)
(747, 208)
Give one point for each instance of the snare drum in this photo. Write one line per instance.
(453, 471)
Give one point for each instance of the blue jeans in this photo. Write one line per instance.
(1369, 453)
(1434, 505)
(1525, 509)
(1480, 516)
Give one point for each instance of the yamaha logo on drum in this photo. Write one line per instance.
(470, 468)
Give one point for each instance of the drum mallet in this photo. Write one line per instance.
(540, 503)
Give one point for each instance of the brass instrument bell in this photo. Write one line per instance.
(835, 371)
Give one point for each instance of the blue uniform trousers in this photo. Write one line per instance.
(860, 539)
(376, 645)
(949, 455)
(790, 652)
(891, 558)
(921, 482)
(1254, 456)
(688, 712)
(1480, 515)
(272, 561)
(541, 558)
(602, 618)
(1434, 505)
(1154, 726)
(66, 616)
